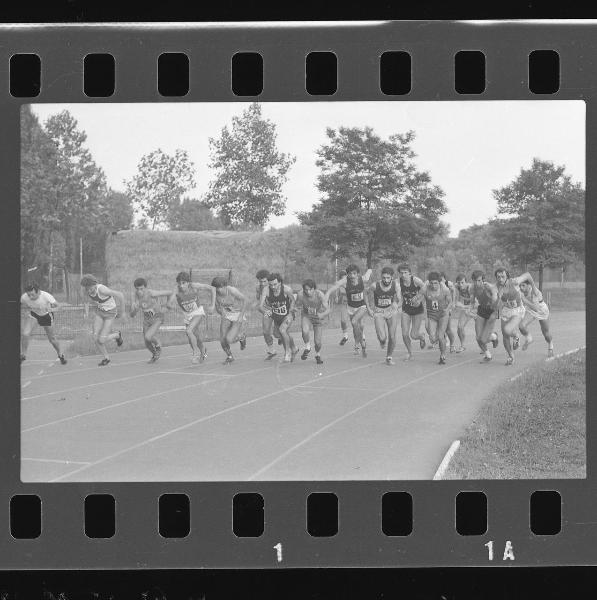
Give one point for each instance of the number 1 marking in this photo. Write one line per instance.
(489, 547)
(278, 549)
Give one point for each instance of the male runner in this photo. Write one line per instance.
(230, 305)
(311, 302)
(486, 295)
(267, 323)
(449, 328)
(105, 313)
(279, 303)
(438, 300)
(463, 305)
(536, 308)
(186, 296)
(354, 285)
(412, 313)
(146, 300)
(343, 302)
(41, 307)
(386, 307)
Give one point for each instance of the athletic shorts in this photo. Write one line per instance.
(233, 316)
(314, 319)
(352, 310)
(151, 318)
(507, 312)
(189, 316)
(106, 314)
(387, 312)
(412, 311)
(436, 316)
(540, 315)
(484, 312)
(44, 320)
(279, 319)
(459, 311)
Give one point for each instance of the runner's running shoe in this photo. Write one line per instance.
(516, 343)
(270, 355)
(442, 360)
(243, 342)
(62, 359)
(318, 360)
(343, 340)
(104, 362)
(119, 339)
(390, 360)
(305, 354)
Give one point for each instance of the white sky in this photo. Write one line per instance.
(469, 148)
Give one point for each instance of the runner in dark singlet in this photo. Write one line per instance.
(355, 298)
(279, 303)
(343, 302)
(266, 322)
(146, 300)
(486, 296)
(106, 311)
(413, 313)
(385, 311)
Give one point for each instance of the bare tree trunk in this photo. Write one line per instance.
(370, 256)
(51, 267)
(541, 276)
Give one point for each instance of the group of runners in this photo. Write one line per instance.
(439, 303)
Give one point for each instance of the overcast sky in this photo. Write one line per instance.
(469, 148)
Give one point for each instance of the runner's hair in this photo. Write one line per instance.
(183, 276)
(434, 276)
(262, 274)
(277, 276)
(502, 270)
(88, 280)
(460, 277)
(309, 283)
(352, 269)
(140, 281)
(32, 286)
(219, 282)
(476, 274)
(388, 270)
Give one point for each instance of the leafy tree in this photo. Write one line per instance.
(38, 155)
(374, 200)
(78, 185)
(192, 215)
(541, 217)
(161, 181)
(250, 172)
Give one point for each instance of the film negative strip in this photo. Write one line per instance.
(157, 168)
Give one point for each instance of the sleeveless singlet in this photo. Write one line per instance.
(437, 303)
(280, 305)
(465, 296)
(408, 293)
(383, 298)
(187, 300)
(355, 294)
(312, 306)
(227, 303)
(104, 303)
(148, 304)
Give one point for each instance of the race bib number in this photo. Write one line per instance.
(149, 312)
(384, 301)
(434, 305)
(312, 311)
(280, 310)
(356, 297)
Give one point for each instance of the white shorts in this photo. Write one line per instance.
(233, 316)
(506, 312)
(458, 311)
(540, 315)
(189, 316)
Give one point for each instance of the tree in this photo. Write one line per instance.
(192, 215)
(78, 185)
(375, 202)
(161, 181)
(542, 218)
(250, 172)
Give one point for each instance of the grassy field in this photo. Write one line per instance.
(566, 298)
(531, 428)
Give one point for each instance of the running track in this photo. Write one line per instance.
(351, 418)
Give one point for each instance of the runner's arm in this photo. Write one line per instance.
(366, 297)
(340, 283)
(367, 274)
(118, 295)
(171, 301)
(159, 293)
(236, 293)
(524, 277)
(327, 307)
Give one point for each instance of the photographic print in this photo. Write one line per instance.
(303, 291)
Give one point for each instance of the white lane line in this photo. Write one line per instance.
(439, 474)
(349, 389)
(131, 400)
(516, 376)
(26, 384)
(60, 462)
(206, 418)
(350, 413)
(195, 373)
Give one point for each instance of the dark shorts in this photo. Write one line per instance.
(484, 311)
(279, 319)
(150, 319)
(412, 311)
(43, 320)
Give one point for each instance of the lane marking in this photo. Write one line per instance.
(441, 470)
(350, 413)
(137, 399)
(516, 376)
(26, 384)
(332, 388)
(203, 419)
(61, 462)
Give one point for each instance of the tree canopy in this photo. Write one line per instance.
(249, 171)
(375, 202)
